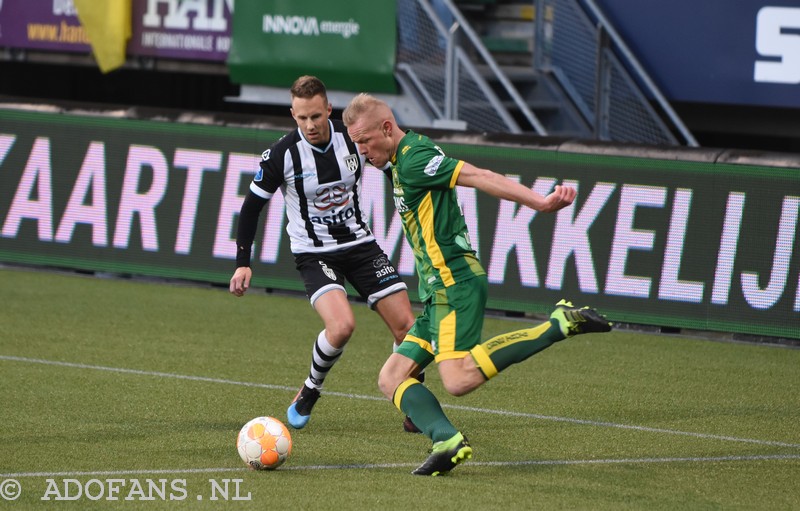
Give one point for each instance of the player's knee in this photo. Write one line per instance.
(460, 375)
(400, 332)
(384, 386)
(460, 383)
(388, 382)
(394, 372)
(457, 388)
(339, 332)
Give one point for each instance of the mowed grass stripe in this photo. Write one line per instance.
(371, 466)
(571, 420)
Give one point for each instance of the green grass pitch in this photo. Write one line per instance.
(104, 379)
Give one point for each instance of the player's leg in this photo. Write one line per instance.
(334, 309)
(395, 310)
(373, 276)
(398, 383)
(460, 323)
(376, 279)
(459, 316)
(457, 322)
(496, 354)
(325, 288)
(415, 400)
(397, 369)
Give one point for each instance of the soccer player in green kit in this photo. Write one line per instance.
(452, 283)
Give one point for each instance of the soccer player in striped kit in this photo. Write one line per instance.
(318, 169)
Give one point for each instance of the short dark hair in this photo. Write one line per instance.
(307, 87)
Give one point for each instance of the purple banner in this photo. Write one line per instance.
(184, 30)
(187, 30)
(42, 24)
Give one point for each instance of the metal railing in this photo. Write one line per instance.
(444, 61)
(440, 54)
(588, 58)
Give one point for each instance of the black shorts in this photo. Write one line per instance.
(366, 267)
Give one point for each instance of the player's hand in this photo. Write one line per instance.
(560, 198)
(240, 281)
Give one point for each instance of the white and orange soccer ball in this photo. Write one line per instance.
(264, 443)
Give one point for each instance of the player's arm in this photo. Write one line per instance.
(245, 234)
(501, 187)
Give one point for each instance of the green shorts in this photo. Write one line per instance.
(450, 324)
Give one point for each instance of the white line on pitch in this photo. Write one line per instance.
(375, 398)
(370, 466)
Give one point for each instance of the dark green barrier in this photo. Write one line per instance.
(343, 43)
(696, 245)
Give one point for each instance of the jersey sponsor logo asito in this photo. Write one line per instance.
(383, 266)
(337, 218)
(388, 270)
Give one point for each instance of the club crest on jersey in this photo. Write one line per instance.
(351, 162)
(327, 271)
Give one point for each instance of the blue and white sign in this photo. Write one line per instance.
(716, 51)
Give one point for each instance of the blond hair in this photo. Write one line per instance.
(361, 106)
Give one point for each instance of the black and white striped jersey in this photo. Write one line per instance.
(321, 188)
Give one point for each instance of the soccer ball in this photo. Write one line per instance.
(264, 443)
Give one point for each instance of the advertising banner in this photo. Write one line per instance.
(346, 44)
(663, 242)
(44, 25)
(745, 52)
(196, 30)
(185, 30)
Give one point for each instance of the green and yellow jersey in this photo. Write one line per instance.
(424, 181)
